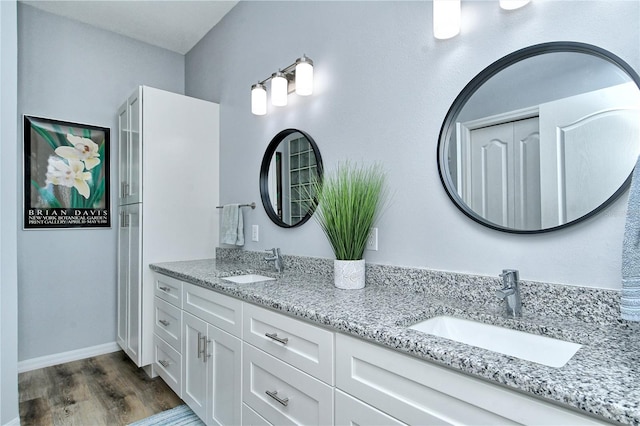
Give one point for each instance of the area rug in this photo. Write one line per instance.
(178, 416)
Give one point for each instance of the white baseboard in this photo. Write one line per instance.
(61, 358)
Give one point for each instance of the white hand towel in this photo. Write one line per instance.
(232, 225)
(630, 296)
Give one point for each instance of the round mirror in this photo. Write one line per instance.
(290, 165)
(543, 138)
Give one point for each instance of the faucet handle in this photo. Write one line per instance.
(510, 276)
(506, 272)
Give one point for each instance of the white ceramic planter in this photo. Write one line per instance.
(349, 274)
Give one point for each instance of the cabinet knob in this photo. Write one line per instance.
(274, 395)
(163, 363)
(164, 322)
(166, 289)
(275, 337)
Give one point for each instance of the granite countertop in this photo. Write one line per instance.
(602, 378)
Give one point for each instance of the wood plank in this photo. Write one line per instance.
(103, 390)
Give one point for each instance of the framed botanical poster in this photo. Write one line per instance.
(66, 175)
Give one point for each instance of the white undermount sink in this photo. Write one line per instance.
(519, 344)
(248, 279)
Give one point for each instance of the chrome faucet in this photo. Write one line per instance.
(510, 292)
(276, 259)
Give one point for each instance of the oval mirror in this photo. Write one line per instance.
(543, 138)
(290, 164)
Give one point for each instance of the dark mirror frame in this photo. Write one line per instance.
(449, 122)
(264, 175)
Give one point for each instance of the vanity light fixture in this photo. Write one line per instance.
(258, 99)
(446, 18)
(513, 4)
(296, 77)
(279, 86)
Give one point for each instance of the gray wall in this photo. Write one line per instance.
(383, 86)
(70, 71)
(8, 215)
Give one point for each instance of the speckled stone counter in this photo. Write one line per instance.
(603, 378)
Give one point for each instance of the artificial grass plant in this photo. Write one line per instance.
(347, 204)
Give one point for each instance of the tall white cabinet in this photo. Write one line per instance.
(168, 165)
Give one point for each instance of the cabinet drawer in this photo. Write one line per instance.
(217, 309)
(168, 288)
(296, 397)
(419, 392)
(307, 347)
(168, 364)
(168, 323)
(251, 418)
(351, 411)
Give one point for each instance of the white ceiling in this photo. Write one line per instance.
(176, 25)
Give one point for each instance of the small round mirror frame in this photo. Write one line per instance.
(264, 176)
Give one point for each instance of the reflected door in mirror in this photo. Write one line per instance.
(581, 170)
(502, 179)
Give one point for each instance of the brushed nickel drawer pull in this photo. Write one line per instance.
(274, 395)
(206, 355)
(164, 363)
(164, 322)
(165, 289)
(275, 337)
(199, 344)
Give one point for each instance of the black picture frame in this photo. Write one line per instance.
(66, 174)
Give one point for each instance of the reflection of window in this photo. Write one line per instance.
(303, 171)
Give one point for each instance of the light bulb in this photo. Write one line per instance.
(304, 76)
(258, 99)
(512, 4)
(446, 18)
(279, 91)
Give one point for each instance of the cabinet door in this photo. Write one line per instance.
(123, 278)
(130, 150)
(194, 368)
(123, 151)
(129, 281)
(224, 363)
(134, 189)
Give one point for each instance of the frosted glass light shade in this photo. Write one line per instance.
(279, 85)
(304, 76)
(513, 4)
(258, 99)
(446, 18)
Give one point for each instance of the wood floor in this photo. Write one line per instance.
(103, 390)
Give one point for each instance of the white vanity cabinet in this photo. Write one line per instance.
(168, 161)
(235, 363)
(197, 348)
(418, 392)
